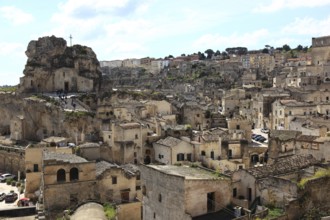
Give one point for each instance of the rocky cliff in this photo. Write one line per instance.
(51, 63)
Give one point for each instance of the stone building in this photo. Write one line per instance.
(320, 50)
(187, 192)
(53, 66)
(172, 150)
(118, 184)
(194, 115)
(66, 180)
(274, 184)
(127, 142)
(284, 111)
(281, 144)
(262, 105)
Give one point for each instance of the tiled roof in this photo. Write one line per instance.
(169, 141)
(103, 166)
(284, 135)
(283, 166)
(307, 138)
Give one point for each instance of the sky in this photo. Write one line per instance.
(120, 29)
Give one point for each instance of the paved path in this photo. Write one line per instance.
(6, 189)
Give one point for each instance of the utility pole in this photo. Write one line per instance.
(70, 40)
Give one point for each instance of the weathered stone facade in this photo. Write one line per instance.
(52, 65)
(196, 192)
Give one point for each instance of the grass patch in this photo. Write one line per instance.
(318, 174)
(110, 211)
(274, 213)
(8, 88)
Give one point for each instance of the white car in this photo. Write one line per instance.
(6, 176)
(265, 130)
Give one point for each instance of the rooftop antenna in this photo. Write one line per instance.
(70, 40)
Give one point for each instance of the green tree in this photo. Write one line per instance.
(299, 48)
(201, 56)
(286, 47)
(217, 53)
(265, 50)
(209, 53)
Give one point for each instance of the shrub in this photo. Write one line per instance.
(13, 183)
(8, 181)
(110, 211)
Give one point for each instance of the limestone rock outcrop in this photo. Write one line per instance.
(52, 66)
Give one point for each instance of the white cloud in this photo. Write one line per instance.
(308, 26)
(11, 49)
(276, 5)
(249, 40)
(15, 15)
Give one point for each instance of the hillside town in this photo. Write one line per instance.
(236, 134)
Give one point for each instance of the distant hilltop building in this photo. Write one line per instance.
(321, 51)
(321, 41)
(54, 66)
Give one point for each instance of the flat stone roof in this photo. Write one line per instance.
(54, 139)
(130, 125)
(186, 172)
(70, 158)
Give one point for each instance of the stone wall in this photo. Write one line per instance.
(312, 200)
(153, 185)
(321, 41)
(129, 211)
(12, 160)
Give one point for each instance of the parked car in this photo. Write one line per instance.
(253, 136)
(2, 196)
(260, 139)
(23, 202)
(265, 130)
(11, 197)
(256, 136)
(6, 176)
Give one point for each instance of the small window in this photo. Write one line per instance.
(35, 168)
(114, 179)
(144, 190)
(74, 174)
(189, 157)
(160, 197)
(203, 153)
(135, 154)
(238, 127)
(138, 177)
(136, 136)
(234, 192)
(240, 167)
(61, 175)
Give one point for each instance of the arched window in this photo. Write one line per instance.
(74, 174)
(61, 175)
